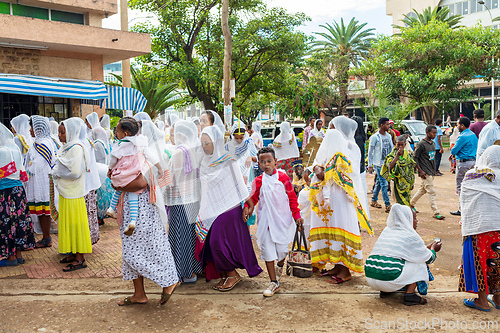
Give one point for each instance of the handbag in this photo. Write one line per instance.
(299, 262)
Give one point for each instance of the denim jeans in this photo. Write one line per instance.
(381, 184)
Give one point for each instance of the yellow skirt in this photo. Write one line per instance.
(74, 232)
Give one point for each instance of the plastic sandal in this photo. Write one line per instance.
(469, 302)
(128, 301)
(71, 267)
(490, 299)
(439, 217)
(412, 299)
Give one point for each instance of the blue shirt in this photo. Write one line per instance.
(466, 146)
(439, 133)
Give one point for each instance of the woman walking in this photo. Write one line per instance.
(285, 146)
(16, 228)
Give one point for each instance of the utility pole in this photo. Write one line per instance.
(124, 27)
(228, 54)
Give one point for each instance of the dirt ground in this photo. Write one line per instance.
(301, 305)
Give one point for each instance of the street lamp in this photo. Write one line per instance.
(493, 59)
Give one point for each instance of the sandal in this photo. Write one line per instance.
(414, 209)
(375, 204)
(67, 260)
(44, 242)
(237, 280)
(412, 299)
(71, 267)
(128, 301)
(469, 302)
(438, 217)
(336, 280)
(387, 209)
(165, 297)
(219, 284)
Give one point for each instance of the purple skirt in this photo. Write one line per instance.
(228, 244)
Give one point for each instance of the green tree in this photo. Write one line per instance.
(159, 96)
(428, 15)
(347, 46)
(433, 62)
(187, 45)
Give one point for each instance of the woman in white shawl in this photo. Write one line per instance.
(285, 146)
(92, 121)
(21, 128)
(182, 197)
(227, 245)
(69, 175)
(54, 133)
(479, 199)
(317, 131)
(212, 118)
(92, 183)
(102, 155)
(106, 124)
(339, 201)
(39, 163)
(140, 116)
(399, 258)
(16, 228)
(259, 143)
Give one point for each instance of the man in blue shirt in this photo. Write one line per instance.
(439, 145)
(465, 152)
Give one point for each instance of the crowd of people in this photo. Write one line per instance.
(185, 197)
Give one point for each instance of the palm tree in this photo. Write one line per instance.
(347, 46)
(429, 14)
(160, 96)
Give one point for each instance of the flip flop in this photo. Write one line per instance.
(438, 217)
(71, 267)
(128, 301)
(469, 302)
(490, 299)
(336, 280)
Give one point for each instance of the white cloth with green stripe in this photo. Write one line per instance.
(399, 257)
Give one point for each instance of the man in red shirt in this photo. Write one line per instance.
(479, 122)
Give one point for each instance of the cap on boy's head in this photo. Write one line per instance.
(296, 163)
(479, 113)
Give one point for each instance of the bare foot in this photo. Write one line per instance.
(133, 300)
(334, 271)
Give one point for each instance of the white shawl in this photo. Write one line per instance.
(315, 132)
(285, 144)
(480, 197)
(399, 240)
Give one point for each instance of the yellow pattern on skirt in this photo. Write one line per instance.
(74, 232)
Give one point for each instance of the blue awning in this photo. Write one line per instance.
(122, 98)
(52, 87)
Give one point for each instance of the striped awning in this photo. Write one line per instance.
(122, 98)
(52, 87)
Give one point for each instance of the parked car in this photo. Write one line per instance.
(416, 129)
(269, 133)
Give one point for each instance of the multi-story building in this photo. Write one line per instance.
(58, 39)
(473, 12)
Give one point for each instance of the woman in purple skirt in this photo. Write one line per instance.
(228, 244)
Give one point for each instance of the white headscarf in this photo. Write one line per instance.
(480, 195)
(41, 128)
(156, 142)
(9, 152)
(217, 121)
(315, 132)
(161, 125)
(185, 133)
(172, 119)
(54, 127)
(106, 124)
(21, 125)
(285, 144)
(92, 180)
(399, 240)
(454, 135)
(241, 151)
(93, 120)
(100, 138)
(256, 135)
(222, 184)
(142, 116)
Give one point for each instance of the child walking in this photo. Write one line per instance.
(276, 212)
(127, 159)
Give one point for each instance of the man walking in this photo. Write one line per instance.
(489, 135)
(439, 145)
(426, 166)
(380, 146)
(479, 122)
(465, 153)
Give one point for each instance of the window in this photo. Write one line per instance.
(494, 4)
(458, 8)
(53, 107)
(452, 9)
(487, 3)
(27, 11)
(67, 17)
(473, 5)
(480, 8)
(465, 8)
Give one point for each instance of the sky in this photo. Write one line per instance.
(320, 12)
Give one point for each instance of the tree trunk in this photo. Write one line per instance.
(228, 45)
(429, 114)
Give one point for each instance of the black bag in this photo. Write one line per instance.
(299, 261)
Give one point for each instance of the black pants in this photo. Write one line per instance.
(437, 157)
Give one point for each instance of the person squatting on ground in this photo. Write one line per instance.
(277, 211)
(399, 259)
(426, 166)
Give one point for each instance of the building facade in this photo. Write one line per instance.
(60, 39)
